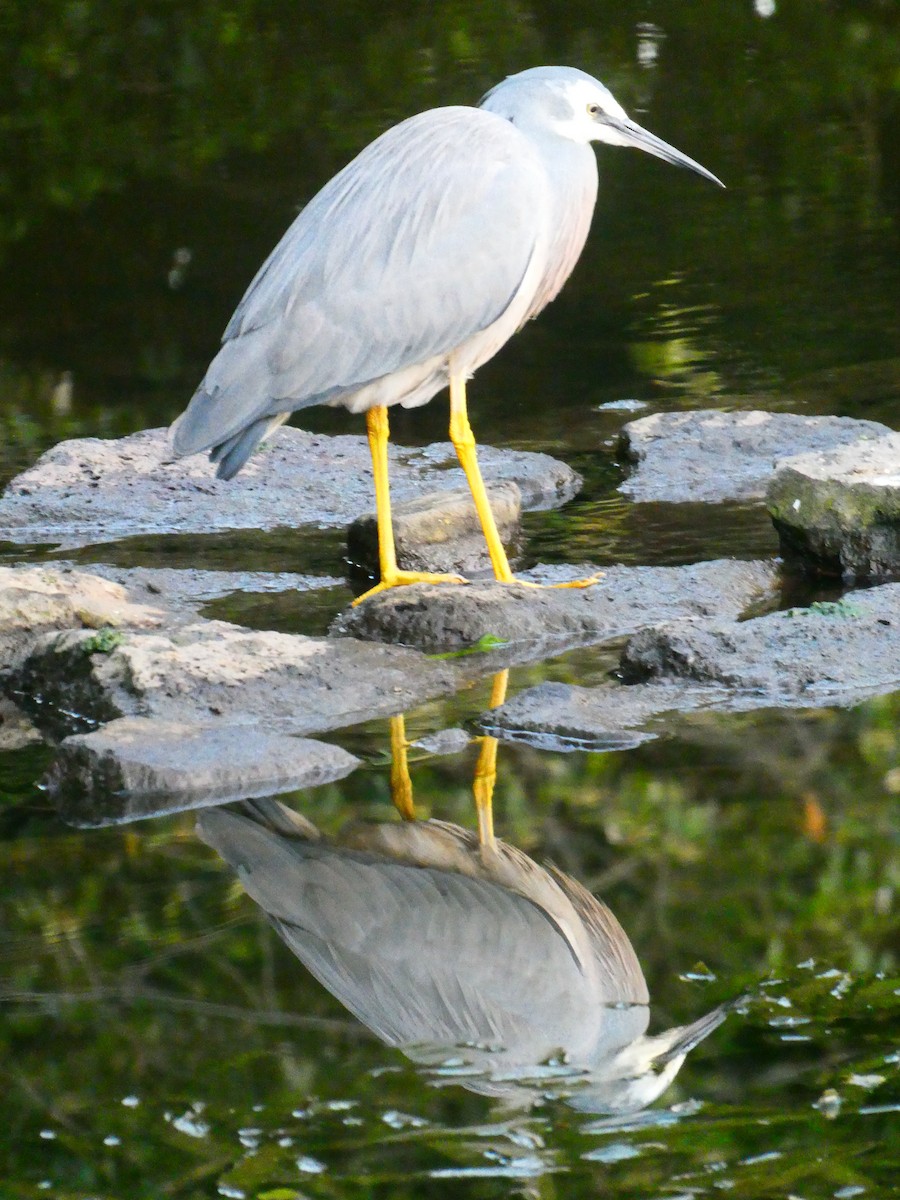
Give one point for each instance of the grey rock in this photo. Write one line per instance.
(830, 653)
(439, 532)
(444, 741)
(560, 716)
(211, 669)
(16, 731)
(183, 590)
(533, 621)
(92, 490)
(713, 456)
(838, 511)
(137, 767)
(35, 600)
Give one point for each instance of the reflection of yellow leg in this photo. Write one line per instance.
(486, 772)
(391, 575)
(401, 784)
(464, 443)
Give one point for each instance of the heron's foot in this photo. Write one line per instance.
(569, 583)
(403, 578)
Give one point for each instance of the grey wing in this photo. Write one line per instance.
(418, 954)
(418, 244)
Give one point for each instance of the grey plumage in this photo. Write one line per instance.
(424, 254)
(433, 943)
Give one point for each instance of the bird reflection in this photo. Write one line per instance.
(482, 966)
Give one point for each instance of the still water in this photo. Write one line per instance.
(159, 1038)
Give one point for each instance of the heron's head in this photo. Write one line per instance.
(573, 105)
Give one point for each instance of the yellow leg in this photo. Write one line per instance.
(486, 773)
(401, 784)
(464, 443)
(391, 575)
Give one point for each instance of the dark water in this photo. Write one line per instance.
(158, 1039)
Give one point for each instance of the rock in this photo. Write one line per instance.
(137, 767)
(184, 590)
(92, 490)
(443, 741)
(439, 532)
(560, 716)
(16, 731)
(533, 621)
(206, 670)
(830, 653)
(713, 456)
(838, 511)
(34, 600)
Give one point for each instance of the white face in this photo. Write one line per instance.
(590, 103)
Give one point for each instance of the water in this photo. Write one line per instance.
(158, 1038)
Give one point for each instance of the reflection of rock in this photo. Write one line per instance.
(447, 617)
(839, 511)
(827, 654)
(713, 456)
(448, 951)
(439, 532)
(92, 490)
(16, 731)
(139, 767)
(210, 670)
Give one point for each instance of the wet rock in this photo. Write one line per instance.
(713, 456)
(830, 653)
(16, 731)
(444, 741)
(206, 670)
(560, 716)
(533, 620)
(439, 532)
(35, 600)
(137, 767)
(184, 590)
(92, 490)
(838, 512)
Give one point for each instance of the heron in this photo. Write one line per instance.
(410, 269)
(441, 948)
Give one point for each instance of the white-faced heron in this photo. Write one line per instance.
(444, 948)
(410, 269)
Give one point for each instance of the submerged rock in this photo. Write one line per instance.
(439, 532)
(139, 767)
(838, 512)
(450, 617)
(92, 490)
(711, 456)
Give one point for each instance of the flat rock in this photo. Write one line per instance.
(35, 600)
(838, 511)
(440, 531)
(139, 767)
(830, 653)
(183, 590)
(206, 670)
(448, 617)
(92, 490)
(561, 716)
(711, 455)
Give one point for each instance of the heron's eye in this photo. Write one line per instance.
(593, 110)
